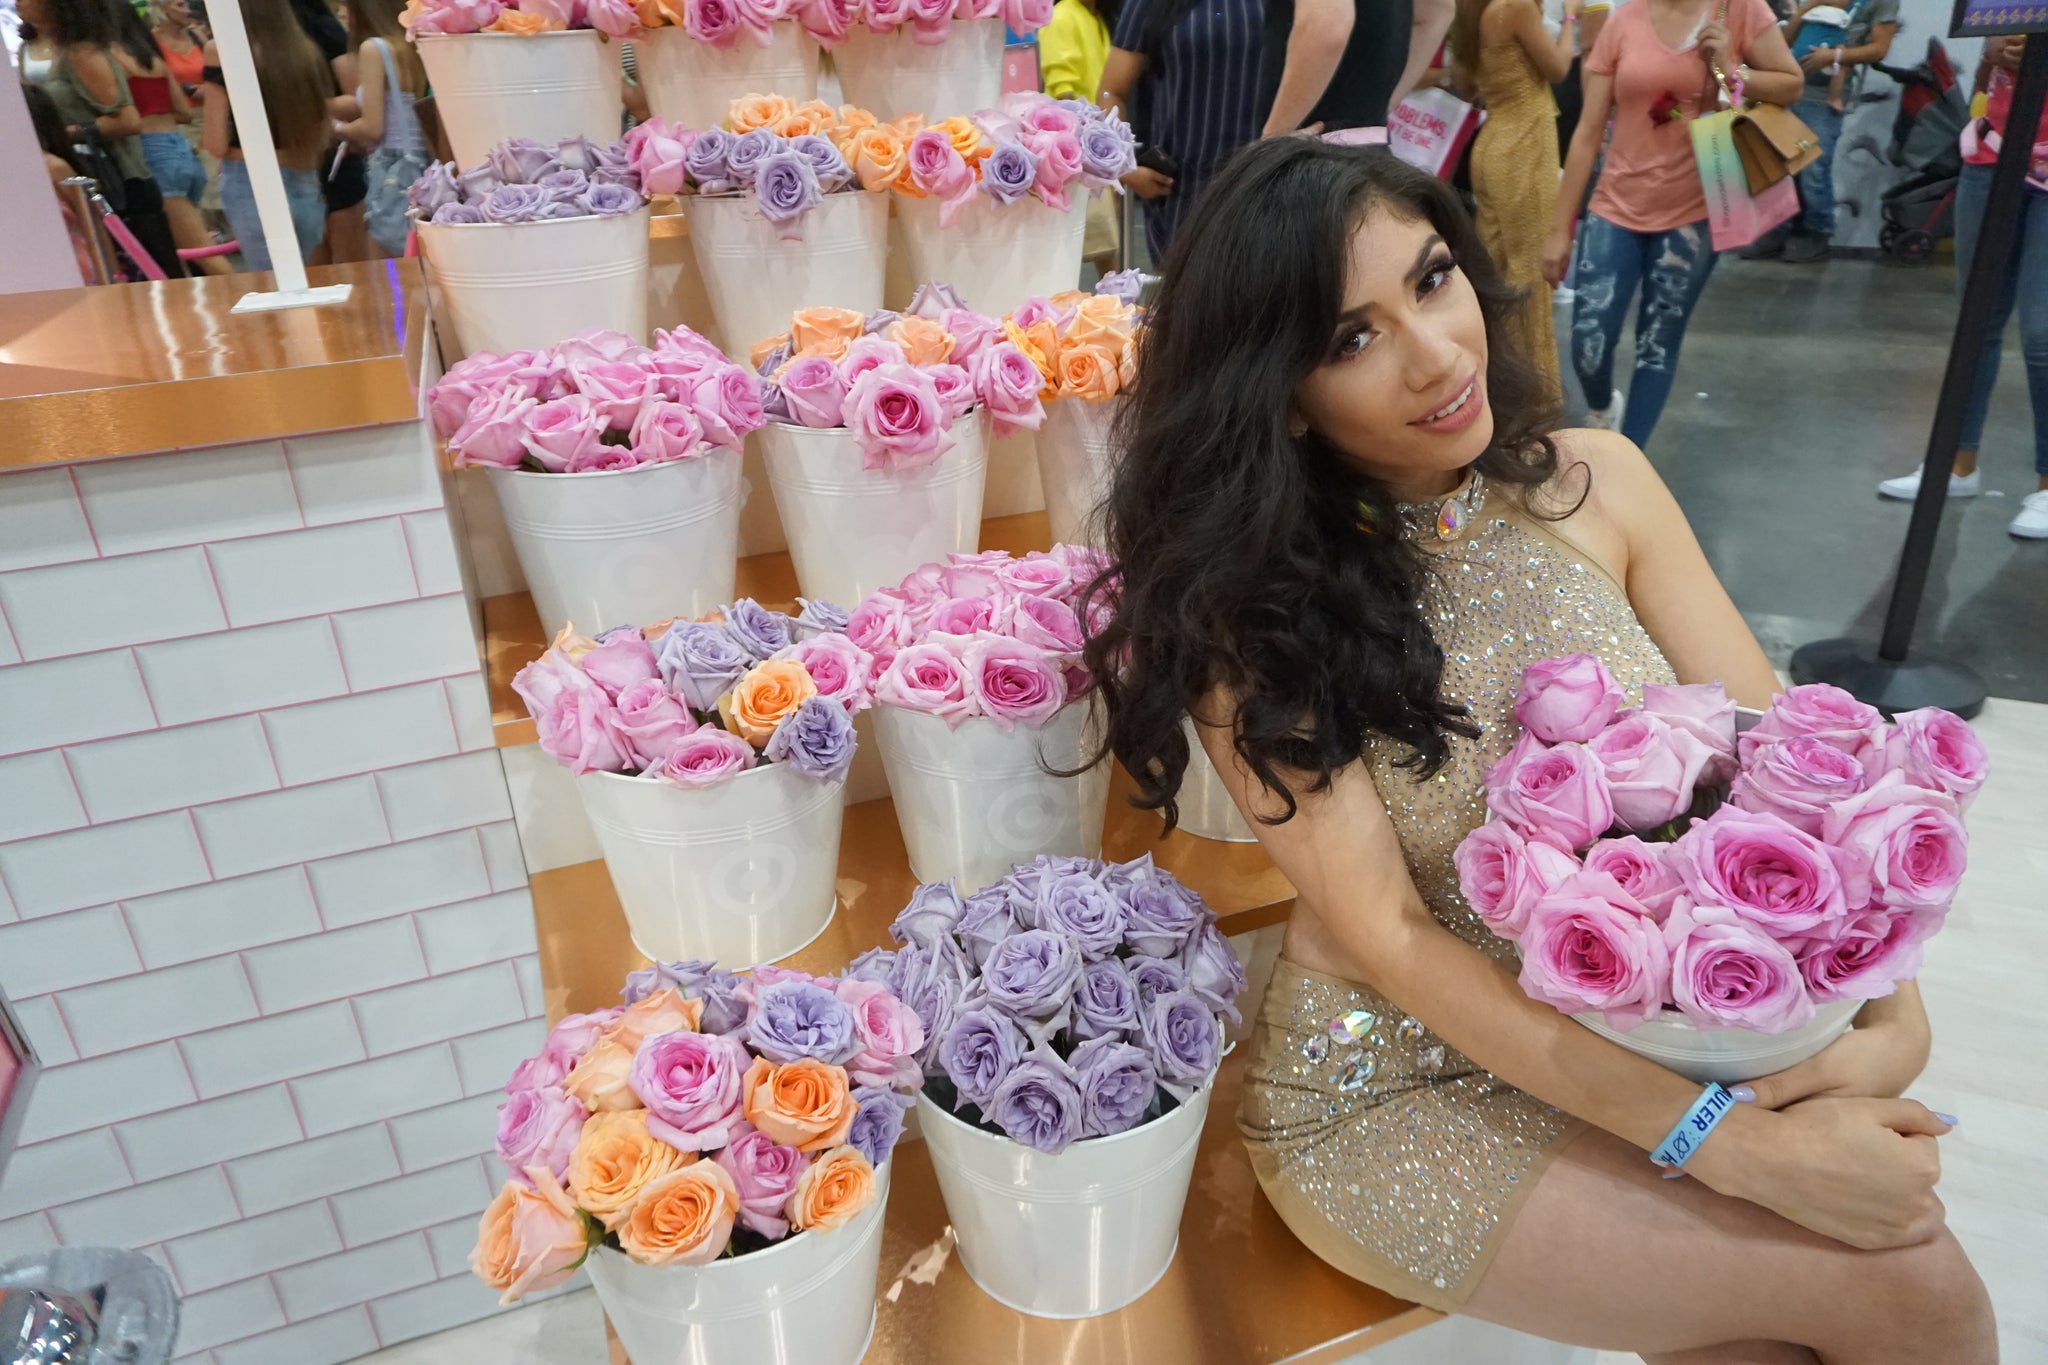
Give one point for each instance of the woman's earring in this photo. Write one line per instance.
(1297, 428)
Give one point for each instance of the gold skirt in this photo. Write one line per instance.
(1390, 1155)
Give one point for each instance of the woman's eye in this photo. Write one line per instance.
(1437, 277)
(1351, 343)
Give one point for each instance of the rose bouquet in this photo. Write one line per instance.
(522, 181)
(709, 1123)
(1029, 146)
(783, 158)
(446, 18)
(1649, 860)
(1084, 345)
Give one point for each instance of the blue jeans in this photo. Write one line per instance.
(238, 203)
(177, 168)
(2024, 282)
(1672, 268)
(1817, 182)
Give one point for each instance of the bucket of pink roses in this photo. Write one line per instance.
(877, 447)
(895, 56)
(1073, 1013)
(1720, 902)
(698, 56)
(535, 243)
(711, 757)
(716, 1152)
(982, 706)
(777, 219)
(617, 468)
(1004, 221)
(540, 69)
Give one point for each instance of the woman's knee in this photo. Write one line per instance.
(1928, 1299)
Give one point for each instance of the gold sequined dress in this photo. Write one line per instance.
(1514, 180)
(1391, 1155)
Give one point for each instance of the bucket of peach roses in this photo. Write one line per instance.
(1086, 348)
(1717, 889)
(715, 1151)
(712, 758)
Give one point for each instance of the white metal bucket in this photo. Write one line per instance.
(1727, 1055)
(996, 255)
(1206, 810)
(625, 547)
(757, 279)
(1071, 1235)
(1074, 466)
(526, 286)
(741, 872)
(852, 530)
(808, 1300)
(892, 73)
(547, 86)
(976, 801)
(694, 84)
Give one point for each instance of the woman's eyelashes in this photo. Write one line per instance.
(1437, 276)
(1353, 340)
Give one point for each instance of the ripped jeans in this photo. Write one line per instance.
(1672, 268)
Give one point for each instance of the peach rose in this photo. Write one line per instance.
(1041, 356)
(924, 342)
(522, 23)
(1087, 372)
(598, 1082)
(616, 1158)
(800, 124)
(880, 157)
(854, 120)
(761, 350)
(823, 115)
(572, 645)
(1127, 363)
(662, 1012)
(683, 1218)
(966, 138)
(761, 700)
(823, 331)
(804, 1104)
(1069, 300)
(1100, 321)
(529, 1239)
(906, 126)
(749, 112)
(831, 1191)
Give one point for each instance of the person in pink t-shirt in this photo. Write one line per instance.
(1652, 71)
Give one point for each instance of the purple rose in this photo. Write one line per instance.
(980, 1051)
(933, 982)
(1123, 284)
(1106, 154)
(1105, 1001)
(1080, 907)
(685, 978)
(881, 320)
(1117, 1083)
(513, 203)
(757, 630)
(816, 739)
(1185, 1042)
(575, 182)
(457, 215)
(522, 161)
(577, 154)
(436, 186)
(795, 1019)
(985, 921)
(826, 163)
(1214, 974)
(478, 181)
(786, 188)
(877, 1123)
(934, 909)
(1038, 1103)
(556, 208)
(539, 1127)
(609, 200)
(873, 965)
(701, 662)
(1154, 977)
(1032, 973)
(933, 298)
(1009, 173)
(749, 150)
(725, 1006)
(825, 616)
(707, 158)
(691, 1085)
(1159, 914)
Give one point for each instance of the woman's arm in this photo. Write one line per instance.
(363, 126)
(103, 85)
(1774, 78)
(1119, 78)
(216, 137)
(1578, 172)
(181, 103)
(1429, 24)
(1315, 45)
(1876, 49)
(1522, 21)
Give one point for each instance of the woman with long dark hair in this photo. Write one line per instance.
(1345, 526)
(296, 83)
(161, 100)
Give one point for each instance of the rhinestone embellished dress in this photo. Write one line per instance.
(1391, 1155)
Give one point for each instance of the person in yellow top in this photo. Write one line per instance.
(1072, 50)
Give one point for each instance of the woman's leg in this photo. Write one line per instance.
(1610, 265)
(189, 228)
(2030, 285)
(1973, 191)
(1678, 264)
(238, 206)
(1608, 1254)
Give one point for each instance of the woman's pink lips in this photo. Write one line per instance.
(1463, 417)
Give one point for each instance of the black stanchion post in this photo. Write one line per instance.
(1887, 674)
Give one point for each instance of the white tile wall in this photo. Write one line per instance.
(61, 951)
(435, 1137)
(376, 1212)
(400, 877)
(157, 1005)
(553, 830)
(368, 472)
(471, 709)
(433, 1307)
(151, 503)
(305, 573)
(408, 642)
(354, 1276)
(104, 1090)
(62, 701)
(169, 769)
(218, 1130)
(486, 1060)
(8, 653)
(222, 917)
(37, 796)
(475, 932)
(312, 1170)
(443, 1007)
(46, 1031)
(149, 1213)
(502, 855)
(75, 1167)
(335, 965)
(530, 988)
(331, 1101)
(451, 1243)
(433, 554)
(93, 866)
(24, 1236)
(450, 793)
(362, 733)
(270, 1050)
(41, 521)
(225, 1314)
(292, 826)
(254, 1246)
(107, 603)
(320, 1341)
(242, 671)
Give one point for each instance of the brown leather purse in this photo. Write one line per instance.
(1771, 140)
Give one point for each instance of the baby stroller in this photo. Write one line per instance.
(1919, 211)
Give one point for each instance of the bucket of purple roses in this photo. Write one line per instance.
(528, 68)
(535, 243)
(1718, 889)
(1073, 1014)
(716, 1151)
(711, 757)
(616, 465)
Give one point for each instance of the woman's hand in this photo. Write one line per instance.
(1557, 256)
(1820, 59)
(1147, 183)
(1878, 1058)
(1717, 48)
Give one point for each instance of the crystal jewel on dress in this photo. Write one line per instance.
(1409, 1029)
(1357, 1072)
(1347, 1029)
(1444, 518)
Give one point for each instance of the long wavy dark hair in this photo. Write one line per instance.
(1243, 568)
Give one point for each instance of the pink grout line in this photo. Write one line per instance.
(11, 640)
(313, 895)
(454, 725)
(234, 1199)
(213, 577)
(84, 514)
(77, 792)
(485, 854)
(411, 565)
(269, 750)
(341, 660)
(200, 840)
(291, 479)
(156, 720)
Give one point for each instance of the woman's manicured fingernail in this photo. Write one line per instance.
(1674, 1175)
(1742, 1094)
(1949, 1119)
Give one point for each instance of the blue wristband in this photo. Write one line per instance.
(1685, 1139)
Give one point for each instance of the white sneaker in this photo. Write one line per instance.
(2032, 522)
(1609, 417)
(1906, 487)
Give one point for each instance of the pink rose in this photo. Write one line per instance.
(815, 391)
(603, 460)
(931, 21)
(877, 625)
(655, 151)
(890, 1036)
(929, 678)
(1703, 711)
(1559, 794)
(1009, 385)
(728, 403)
(530, 1238)
(1727, 973)
(619, 659)
(1588, 946)
(1059, 164)
(448, 402)
(1651, 769)
(765, 1173)
(963, 616)
(1033, 311)
(539, 1128)
(757, 17)
(617, 390)
(690, 1083)
(1025, 16)
(886, 16)
(1824, 712)
(870, 352)
(706, 757)
(1798, 780)
(1938, 750)
(613, 18)
(568, 1042)
(828, 20)
(956, 390)
(935, 167)
(842, 670)
(493, 432)
(975, 575)
(1038, 575)
(653, 722)
(1015, 684)
(1865, 954)
(1573, 698)
(1048, 623)
(716, 22)
(560, 430)
(667, 431)
(581, 732)
(1773, 875)
(1643, 870)
(681, 342)
(595, 346)
(972, 333)
(896, 419)
(1900, 845)
(1503, 875)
